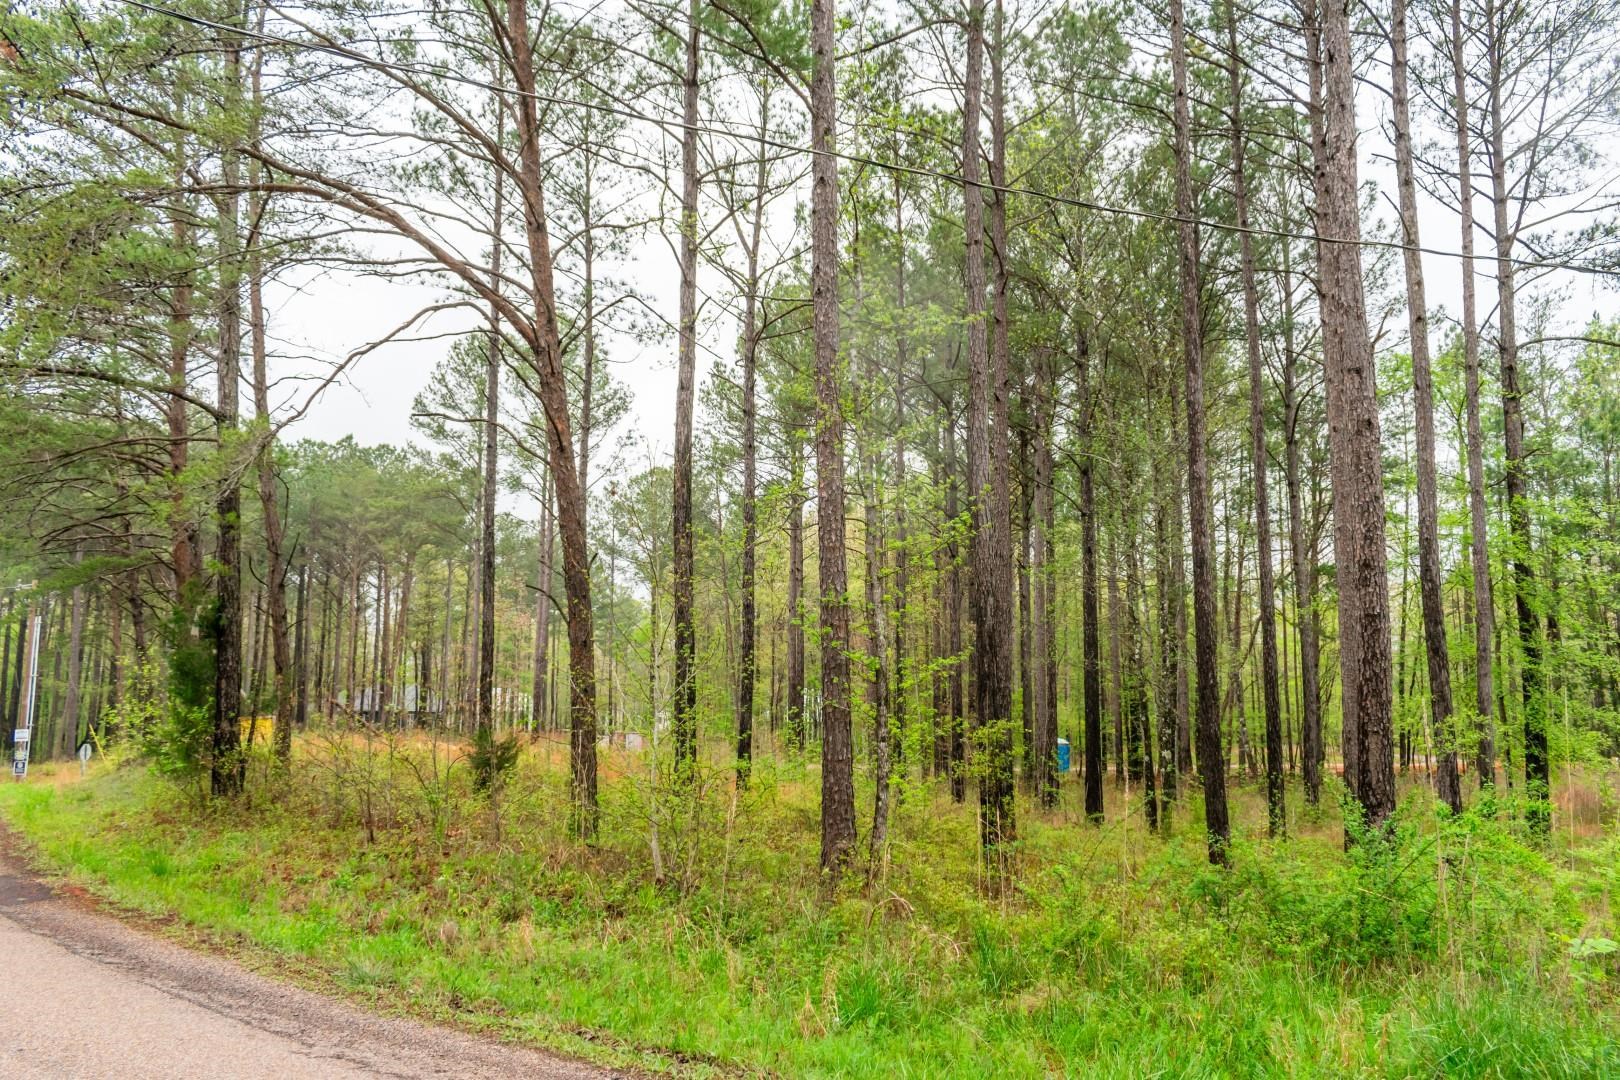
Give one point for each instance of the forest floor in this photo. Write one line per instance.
(696, 935)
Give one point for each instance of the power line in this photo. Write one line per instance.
(758, 138)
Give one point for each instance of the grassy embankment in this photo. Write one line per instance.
(1461, 950)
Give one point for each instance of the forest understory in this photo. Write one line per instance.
(1461, 947)
(590, 520)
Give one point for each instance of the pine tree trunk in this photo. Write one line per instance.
(1353, 432)
(1044, 765)
(898, 480)
(269, 488)
(1091, 642)
(1447, 781)
(797, 722)
(227, 767)
(67, 730)
(837, 742)
(1302, 552)
(1275, 812)
(684, 708)
(747, 673)
(570, 492)
(991, 550)
(1210, 760)
(1532, 679)
(300, 656)
(1479, 550)
(957, 715)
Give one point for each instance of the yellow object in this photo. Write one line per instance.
(256, 729)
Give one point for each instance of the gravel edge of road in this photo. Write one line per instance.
(580, 1051)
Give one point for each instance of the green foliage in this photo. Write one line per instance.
(492, 758)
(1446, 946)
(168, 731)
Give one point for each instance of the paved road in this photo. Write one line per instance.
(84, 995)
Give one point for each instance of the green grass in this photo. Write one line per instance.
(1116, 953)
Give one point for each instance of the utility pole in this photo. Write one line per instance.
(24, 734)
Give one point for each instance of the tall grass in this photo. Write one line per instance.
(1454, 949)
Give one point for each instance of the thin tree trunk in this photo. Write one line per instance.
(684, 710)
(227, 766)
(1116, 677)
(1303, 555)
(747, 673)
(1479, 551)
(544, 602)
(1210, 761)
(300, 656)
(797, 722)
(183, 544)
(485, 719)
(269, 503)
(1091, 642)
(1532, 679)
(1430, 584)
(1044, 765)
(1136, 690)
(67, 731)
(898, 480)
(1275, 813)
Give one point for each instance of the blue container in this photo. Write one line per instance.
(1063, 755)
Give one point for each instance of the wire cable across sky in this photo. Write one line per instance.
(758, 138)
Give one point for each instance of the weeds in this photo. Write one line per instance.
(1449, 946)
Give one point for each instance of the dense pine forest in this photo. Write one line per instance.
(948, 539)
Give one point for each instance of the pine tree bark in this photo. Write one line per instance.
(552, 385)
(1091, 614)
(269, 501)
(1447, 781)
(227, 767)
(183, 544)
(484, 719)
(1276, 814)
(797, 722)
(1044, 765)
(684, 710)
(67, 729)
(300, 657)
(957, 715)
(991, 550)
(1302, 551)
(837, 739)
(898, 480)
(1353, 432)
(1211, 763)
(747, 662)
(1137, 718)
(1532, 679)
